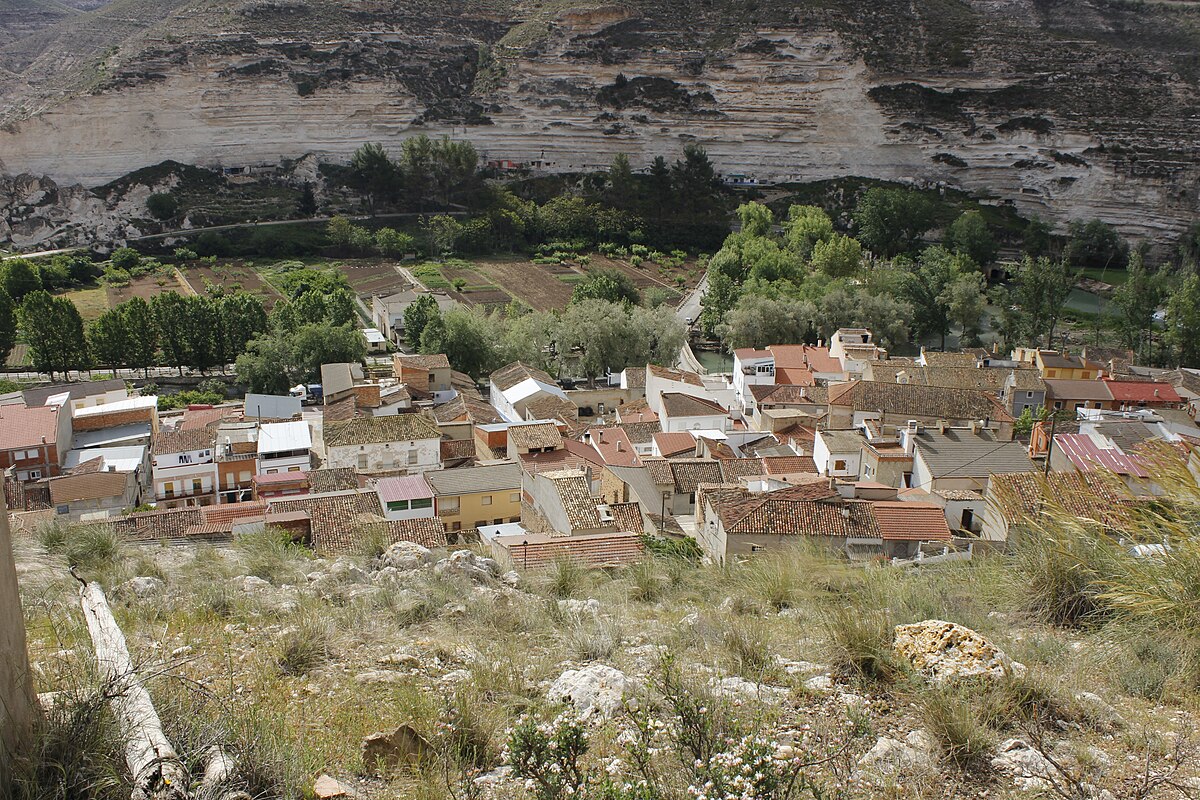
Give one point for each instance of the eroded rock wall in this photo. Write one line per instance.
(991, 96)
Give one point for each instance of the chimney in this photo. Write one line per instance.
(941, 426)
(620, 446)
(975, 425)
(845, 512)
(832, 482)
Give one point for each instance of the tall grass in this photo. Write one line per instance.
(271, 554)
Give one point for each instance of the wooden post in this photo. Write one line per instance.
(157, 771)
(19, 710)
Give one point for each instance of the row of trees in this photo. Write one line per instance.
(588, 339)
(171, 329)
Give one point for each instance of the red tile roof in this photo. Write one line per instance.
(672, 374)
(636, 411)
(1142, 392)
(22, 427)
(782, 465)
(675, 443)
(911, 522)
(677, 404)
(597, 550)
(628, 517)
(804, 357)
(196, 418)
(226, 513)
(614, 446)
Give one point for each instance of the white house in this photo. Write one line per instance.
(514, 387)
(402, 442)
(683, 412)
(284, 447)
(409, 497)
(751, 368)
(855, 348)
(838, 453)
(183, 468)
(662, 380)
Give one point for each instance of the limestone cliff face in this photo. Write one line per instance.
(1070, 109)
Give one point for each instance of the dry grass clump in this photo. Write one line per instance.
(271, 554)
(304, 648)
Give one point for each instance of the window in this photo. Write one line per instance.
(1058, 404)
(515, 497)
(456, 526)
(35, 474)
(169, 488)
(244, 476)
(421, 502)
(839, 464)
(448, 505)
(498, 521)
(293, 469)
(362, 460)
(31, 453)
(397, 505)
(197, 486)
(514, 519)
(412, 457)
(1029, 395)
(486, 500)
(479, 523)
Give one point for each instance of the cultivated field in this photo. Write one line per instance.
(232, 276)
(539, 286)
(145, 287)
(371, 276)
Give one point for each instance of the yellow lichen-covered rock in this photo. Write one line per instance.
(946, 651)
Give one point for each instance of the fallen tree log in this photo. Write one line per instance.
(158, 773)
(219, 779)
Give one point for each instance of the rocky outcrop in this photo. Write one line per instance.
(945, 652)
(595, 690)
(1042, 106)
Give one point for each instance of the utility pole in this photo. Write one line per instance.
(1050, 444)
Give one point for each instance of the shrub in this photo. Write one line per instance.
(125, 258)
(185, 254)
(548, 755)
(749, 645)
(162, 206)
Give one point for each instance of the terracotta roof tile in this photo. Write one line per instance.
(509, 376)
(375, 430)
(334, 479)
(576, 498)
(168, 523)
(675, 443)
(628, 517)
(783, 465)
(675, 404)
(595, 550)
(183, 441)
(911, 522)
(537, 436)
(226, 513)
(672, 374)
(918, 401)
(640, 432)
(417, 361)
(336, 519)
(22, 427)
